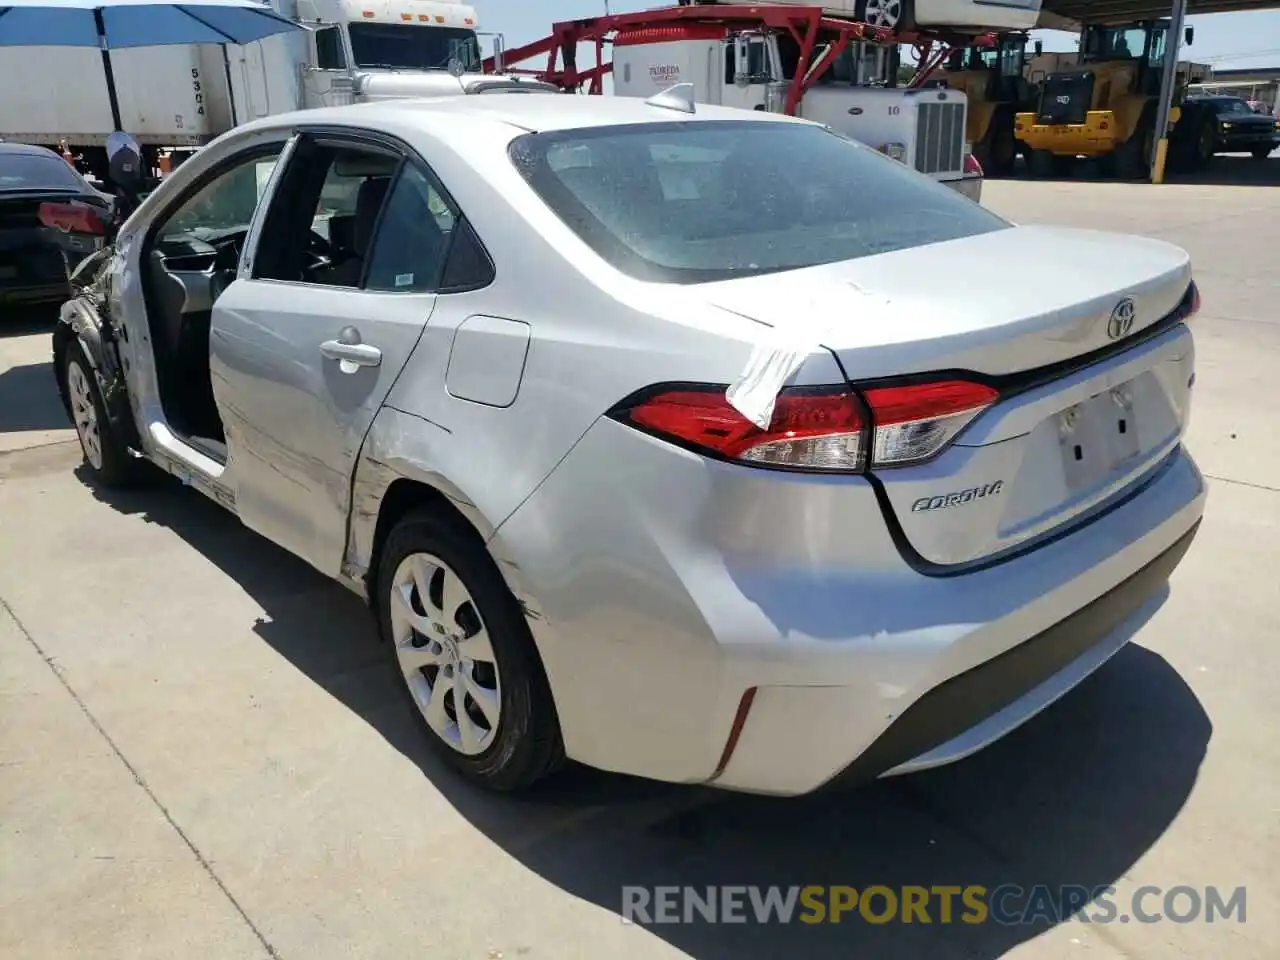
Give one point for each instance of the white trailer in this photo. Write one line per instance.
(184, 96)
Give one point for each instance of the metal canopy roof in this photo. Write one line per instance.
(1121, 11)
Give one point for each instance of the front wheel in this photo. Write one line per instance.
(460, 642)
(104, 454)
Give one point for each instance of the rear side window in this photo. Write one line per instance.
(413, 237)
(699, 202)
(38, 171)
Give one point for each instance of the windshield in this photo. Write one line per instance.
(31, 171)
(1228, 106)
(1123, 43)
(403, 47)
(698, 202)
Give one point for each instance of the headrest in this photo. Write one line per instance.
(364, 165)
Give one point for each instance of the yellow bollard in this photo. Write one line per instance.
(1162, 150)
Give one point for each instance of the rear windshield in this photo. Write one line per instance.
(698, 202)
(30, 171)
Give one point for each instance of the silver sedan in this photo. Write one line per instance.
(701, 445)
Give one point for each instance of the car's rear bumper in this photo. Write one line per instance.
(964, 714)
(703, 622)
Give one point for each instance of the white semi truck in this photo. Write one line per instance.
(184, 96)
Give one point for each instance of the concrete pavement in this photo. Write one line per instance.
(203, 755)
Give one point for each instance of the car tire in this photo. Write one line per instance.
(507, 736)
(106, 457)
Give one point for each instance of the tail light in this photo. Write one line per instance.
(827, 429)
(972, 168)
(72, 218)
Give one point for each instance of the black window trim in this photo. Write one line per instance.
(343, 136)
(215, 172)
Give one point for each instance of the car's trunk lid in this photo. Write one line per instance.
(1076, 328)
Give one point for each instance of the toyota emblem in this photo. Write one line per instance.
(1121, 322)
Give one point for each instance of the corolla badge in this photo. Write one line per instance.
(1122, 317)
(957, 498)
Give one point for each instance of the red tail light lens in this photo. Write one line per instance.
(916, 422)
(72, 218)
(813, 428)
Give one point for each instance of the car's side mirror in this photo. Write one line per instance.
(1189, 36)
(1039, 47)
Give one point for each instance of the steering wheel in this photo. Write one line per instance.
(318, 245)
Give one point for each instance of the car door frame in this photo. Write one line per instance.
(323, 546)
(163, 444)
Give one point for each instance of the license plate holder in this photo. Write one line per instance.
(1098, 437)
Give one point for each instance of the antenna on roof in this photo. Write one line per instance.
(678, 97)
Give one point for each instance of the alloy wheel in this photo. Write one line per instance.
(445, 653)
(84, 413)
(883, 13)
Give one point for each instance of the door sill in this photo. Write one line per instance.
(215, 450)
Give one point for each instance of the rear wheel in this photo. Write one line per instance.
(1262, 152)
(461, 643)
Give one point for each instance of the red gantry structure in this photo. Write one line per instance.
(821, 39)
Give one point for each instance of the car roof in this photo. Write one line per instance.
(26, 149)
(525, 112)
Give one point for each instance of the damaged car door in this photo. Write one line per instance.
(306, 344)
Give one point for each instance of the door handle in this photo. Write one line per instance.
(350, 352)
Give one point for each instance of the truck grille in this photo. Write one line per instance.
(940, 137)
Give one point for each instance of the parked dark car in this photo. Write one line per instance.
(50, 220)
(1241, 129)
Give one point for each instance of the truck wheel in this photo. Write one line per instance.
(1262, 152)
(1132, 159)
(895, 15)
(461, 643)
(105, 455)
(998, 150)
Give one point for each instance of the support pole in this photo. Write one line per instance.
(107, 69)
(1168, 81)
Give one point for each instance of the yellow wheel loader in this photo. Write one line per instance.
(1105, 107)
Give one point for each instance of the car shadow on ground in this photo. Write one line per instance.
(29, 399)
(1074, 798)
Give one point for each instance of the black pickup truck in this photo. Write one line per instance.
(1240, 129)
